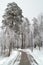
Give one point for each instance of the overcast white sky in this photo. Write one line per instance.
(30, 8)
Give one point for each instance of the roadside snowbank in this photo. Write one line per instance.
(9, 60)
(38, 55)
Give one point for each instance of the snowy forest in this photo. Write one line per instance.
(17, 32)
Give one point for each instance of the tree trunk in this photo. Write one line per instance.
(10, 48)
(31, 42)
(22, 41)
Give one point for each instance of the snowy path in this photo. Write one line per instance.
(24, 59)
(30, 58)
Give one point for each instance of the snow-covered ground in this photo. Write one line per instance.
(36, 54)
(14, 58)
(11, 59)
